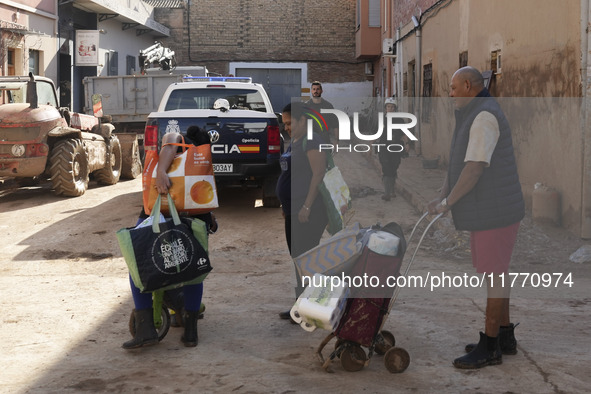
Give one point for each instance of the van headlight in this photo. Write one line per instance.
(18, 150)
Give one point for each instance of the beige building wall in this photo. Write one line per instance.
(539, 85)
(29, 25)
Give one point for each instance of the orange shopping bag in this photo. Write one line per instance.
(191, 174)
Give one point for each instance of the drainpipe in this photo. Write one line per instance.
(418, 74)
(398, 66)
(585, 121)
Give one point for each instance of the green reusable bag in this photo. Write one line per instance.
(335, 194)
(162, 256)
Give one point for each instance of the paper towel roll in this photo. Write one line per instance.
(321, 316)
(320, 306)
(384, 243)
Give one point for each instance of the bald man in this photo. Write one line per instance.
(483, 193)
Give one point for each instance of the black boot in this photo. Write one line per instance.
(487, 352)
(145, 332)
(507, 340)
(190, 337)
(287, 315)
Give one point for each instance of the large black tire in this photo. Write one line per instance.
(132, 162)
(111, 172)
(68, 168)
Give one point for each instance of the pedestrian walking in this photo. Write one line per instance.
(483, 192)
(145, 331)
(303, 167)
(390, 158)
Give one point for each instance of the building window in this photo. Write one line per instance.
(463, 59)
(411, 84)
(130, 65)
(358, 14)
(405, 84)
(111, 61)
(10, 62)
(427, 91)
(34, 61)
(374, 13)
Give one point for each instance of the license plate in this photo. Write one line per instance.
(223, 167)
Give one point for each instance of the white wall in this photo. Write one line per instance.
(124, 42)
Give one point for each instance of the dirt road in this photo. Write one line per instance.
(66, 303)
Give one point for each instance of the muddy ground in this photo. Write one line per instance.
(66, 303)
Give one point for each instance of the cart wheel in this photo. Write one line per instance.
(162, 329)
(384, 342)
(338, 343)
(353, 358)
(396, 360)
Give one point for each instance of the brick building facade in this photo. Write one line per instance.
(320, 33)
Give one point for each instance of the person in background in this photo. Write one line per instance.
(483, 192)
(145, 332)
(390, 159)
(303, 167)
(317, 103)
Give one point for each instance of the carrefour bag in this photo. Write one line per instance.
(164, 255)
(191, 174)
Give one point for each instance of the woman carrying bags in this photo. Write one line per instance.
(303, 166)
(145, 332)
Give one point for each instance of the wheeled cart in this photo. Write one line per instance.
(367, 310)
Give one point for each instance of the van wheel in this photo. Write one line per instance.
(110, 173)
(68, 168)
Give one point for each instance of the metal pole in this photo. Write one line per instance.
(418, 73)
(585, 121)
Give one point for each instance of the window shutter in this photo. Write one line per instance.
(374, 13)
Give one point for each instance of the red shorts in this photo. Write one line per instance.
(492, 249)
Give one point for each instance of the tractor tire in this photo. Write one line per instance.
(68, 168)
(132, 162)
(111, 172)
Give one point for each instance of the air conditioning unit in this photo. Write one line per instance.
(388, 48)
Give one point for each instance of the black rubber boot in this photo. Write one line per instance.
(286, 315)
(190, 338)
(487, 352)
(389, 187)
(145, 332)
(507, 340)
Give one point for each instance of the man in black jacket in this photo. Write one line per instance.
(483, 192)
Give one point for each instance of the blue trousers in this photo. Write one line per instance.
(192, 295)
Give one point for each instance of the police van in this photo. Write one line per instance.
(246, 142)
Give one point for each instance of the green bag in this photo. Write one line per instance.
(165, 255)
(335, 194)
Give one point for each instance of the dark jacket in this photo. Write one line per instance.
(496, 200)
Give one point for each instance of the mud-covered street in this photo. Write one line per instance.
(66, 304)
